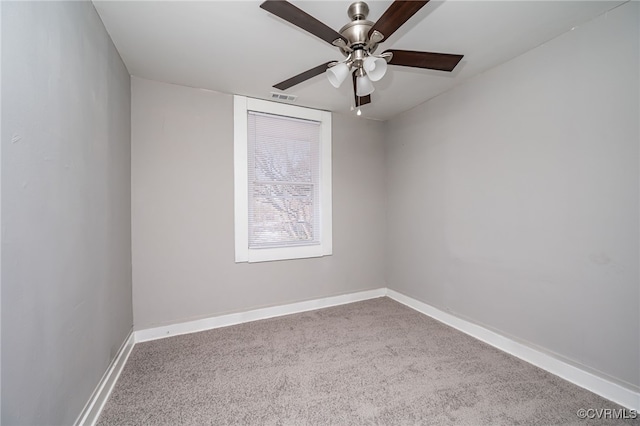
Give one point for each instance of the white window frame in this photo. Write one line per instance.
(241, 106)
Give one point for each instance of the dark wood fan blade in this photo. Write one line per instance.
(363, 100)
(428, 60)
(360, 100)
(301, 19)
(284, 85)
(397, 14)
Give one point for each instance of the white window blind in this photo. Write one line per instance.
(284, 181)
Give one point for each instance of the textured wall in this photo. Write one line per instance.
(182, 212)
(66, 256)
(513, 199)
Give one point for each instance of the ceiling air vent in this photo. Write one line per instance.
(283, 97)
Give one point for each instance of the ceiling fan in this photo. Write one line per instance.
(358, 41)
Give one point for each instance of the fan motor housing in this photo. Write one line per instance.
(357, 31)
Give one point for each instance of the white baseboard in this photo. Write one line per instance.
(254, 315)
(626, 397)
(93, 408)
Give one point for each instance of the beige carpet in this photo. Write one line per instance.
(374, 362)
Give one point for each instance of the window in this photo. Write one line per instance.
(282, 168)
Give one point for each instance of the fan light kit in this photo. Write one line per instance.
(358, 41)
(359, 52)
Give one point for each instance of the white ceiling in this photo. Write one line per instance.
(236, 47)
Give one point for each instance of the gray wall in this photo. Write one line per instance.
(513, 199)
(182, 212)
(66, 257)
